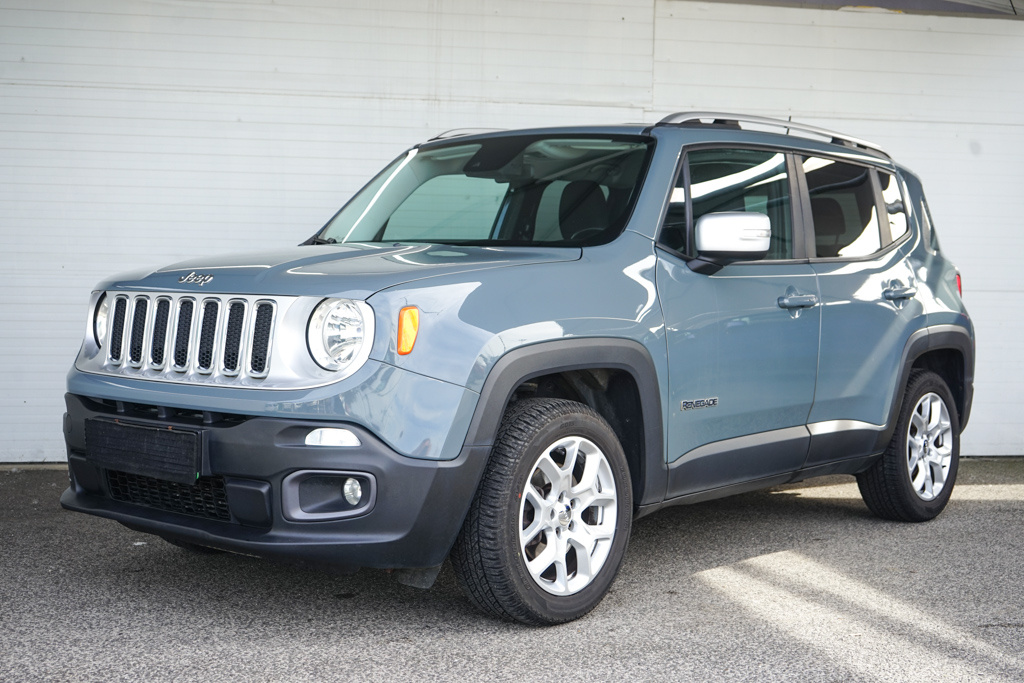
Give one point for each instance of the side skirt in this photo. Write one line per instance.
(854, 465)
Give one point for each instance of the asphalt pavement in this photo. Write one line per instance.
(798, 583)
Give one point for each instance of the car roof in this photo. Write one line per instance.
(707, 126)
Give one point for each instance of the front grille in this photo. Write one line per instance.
(138, 330)
(163, 312)
(208, 334)
(261, 339)
(184, 332)
(206, 498)
(117, 327)
(184, 337)
(233, 341)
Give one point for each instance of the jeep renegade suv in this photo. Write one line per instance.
(510, 345)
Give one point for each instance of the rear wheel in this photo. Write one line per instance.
(548, 527)
(913, 480)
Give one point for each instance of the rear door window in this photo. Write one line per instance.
(843, 208)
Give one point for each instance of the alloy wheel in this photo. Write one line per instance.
(567, 516)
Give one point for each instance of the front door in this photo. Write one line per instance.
(742, 342)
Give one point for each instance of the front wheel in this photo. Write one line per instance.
(913, 480)
(548, 527)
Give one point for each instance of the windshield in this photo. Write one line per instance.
(514, 190)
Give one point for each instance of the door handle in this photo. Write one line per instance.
(797, 301)
(898, 293)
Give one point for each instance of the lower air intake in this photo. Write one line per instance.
(206, 498)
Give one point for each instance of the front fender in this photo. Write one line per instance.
(545, 358)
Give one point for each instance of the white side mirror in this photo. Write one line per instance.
(733, 234)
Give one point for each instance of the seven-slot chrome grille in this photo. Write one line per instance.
(185, 335)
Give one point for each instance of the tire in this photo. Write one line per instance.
(532, 549)
(915, 476)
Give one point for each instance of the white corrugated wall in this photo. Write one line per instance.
(134, 133)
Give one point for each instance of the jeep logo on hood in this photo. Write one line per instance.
(195, 278)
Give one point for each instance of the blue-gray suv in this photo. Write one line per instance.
(509, 345)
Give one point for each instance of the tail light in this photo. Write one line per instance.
(959, 286)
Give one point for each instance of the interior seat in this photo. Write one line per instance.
(582, 210)
(829, 226)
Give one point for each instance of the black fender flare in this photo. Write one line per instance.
(928, 339)
(544, 358)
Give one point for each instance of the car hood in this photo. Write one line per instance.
(354, 271)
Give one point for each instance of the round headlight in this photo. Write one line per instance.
(99, 321)
(340, 334)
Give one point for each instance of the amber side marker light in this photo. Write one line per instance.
(408, 327)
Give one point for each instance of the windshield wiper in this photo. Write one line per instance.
(315, 239)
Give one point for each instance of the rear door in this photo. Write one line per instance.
(868, 304)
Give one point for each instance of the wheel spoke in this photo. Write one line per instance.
(551, 471)
(935, 411)
(530, 532)
(589, 478)
(599, 499)
(584, 561)
(545, 559)
(913, 457)
(918, 424)
(939, 428)
(600, 532)
(926, 471)
(541, 509)
(560, 548)
(919, 479)
(561, 573)
(572, 452)
(938, 475)
(534, 498)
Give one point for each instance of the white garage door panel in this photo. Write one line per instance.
(137, 133)
(514, 51)
(859, 65)
(999, 394)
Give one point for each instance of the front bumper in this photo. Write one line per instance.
(416, 512)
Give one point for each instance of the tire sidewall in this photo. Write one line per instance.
(554, 608)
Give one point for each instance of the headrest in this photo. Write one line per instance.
(828, 216)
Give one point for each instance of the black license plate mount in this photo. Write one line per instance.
(170, 453)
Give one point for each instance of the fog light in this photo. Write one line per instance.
(353, 491)
(326, 495)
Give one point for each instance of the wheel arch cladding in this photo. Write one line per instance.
(615, 377)
(946, 350)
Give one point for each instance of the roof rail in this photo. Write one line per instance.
(699, 117)
(459, 132)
